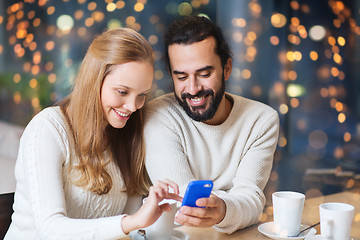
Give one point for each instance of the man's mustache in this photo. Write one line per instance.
(198, 95)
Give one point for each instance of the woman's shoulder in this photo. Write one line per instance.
(50, 114)
(50, 118)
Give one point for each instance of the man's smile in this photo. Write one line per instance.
(197, 101)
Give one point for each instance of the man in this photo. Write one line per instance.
(202, 132)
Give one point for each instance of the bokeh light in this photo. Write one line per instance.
(185, 9)
(278, 20)
(317, 32)
(302, 62)
(65, 23)
(295, 90)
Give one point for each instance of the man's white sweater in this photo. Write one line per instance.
(236, 155)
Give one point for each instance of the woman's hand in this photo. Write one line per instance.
(150, 211)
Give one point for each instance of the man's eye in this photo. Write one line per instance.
(205, 75)
(181, 77)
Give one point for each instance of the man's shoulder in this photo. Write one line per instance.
(251, 103)
(164, 110)
(245, 105)
(165, 102)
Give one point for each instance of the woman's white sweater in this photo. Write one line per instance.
(47, 205)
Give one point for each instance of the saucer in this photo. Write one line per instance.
(179, 235)
(313, 237)
(268, 229)
(318, 237)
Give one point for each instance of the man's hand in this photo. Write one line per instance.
(213, 213)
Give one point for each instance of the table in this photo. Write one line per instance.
(6, 202)
(310, 216)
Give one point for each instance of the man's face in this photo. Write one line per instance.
(199, 79)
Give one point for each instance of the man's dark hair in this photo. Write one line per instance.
(193, 29)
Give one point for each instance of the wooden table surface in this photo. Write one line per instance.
(310, 216)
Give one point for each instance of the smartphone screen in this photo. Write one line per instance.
(195, 190)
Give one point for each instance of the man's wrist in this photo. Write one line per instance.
(223, 212)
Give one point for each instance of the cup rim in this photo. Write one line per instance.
(341, 207)
(288, 195)
(169, 201)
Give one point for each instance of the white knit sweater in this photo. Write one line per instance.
(236, 155)
(47, 205)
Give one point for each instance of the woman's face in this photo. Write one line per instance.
(124, 91)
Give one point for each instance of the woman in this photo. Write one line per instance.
(80, 170)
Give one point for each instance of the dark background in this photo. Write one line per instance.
(318, 151)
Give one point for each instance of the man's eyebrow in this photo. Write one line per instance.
(198, 70)
(178, 72)
(205, 68)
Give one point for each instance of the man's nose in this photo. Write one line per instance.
(193, 86)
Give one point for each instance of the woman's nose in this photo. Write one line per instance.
(131, 105)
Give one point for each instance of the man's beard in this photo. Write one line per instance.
(209, 113)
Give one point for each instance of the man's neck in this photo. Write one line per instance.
(222, 112)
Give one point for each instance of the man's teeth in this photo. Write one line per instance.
(197, 99)
(122, 114)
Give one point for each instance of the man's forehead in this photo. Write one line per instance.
(209, 42)
(193, 57)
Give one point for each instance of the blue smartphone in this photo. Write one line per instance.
(195, 190)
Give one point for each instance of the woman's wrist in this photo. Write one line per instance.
(125, 224)
(129, 223)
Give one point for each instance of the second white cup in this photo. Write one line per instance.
(162, 229)
(287, 210)
(335, 220)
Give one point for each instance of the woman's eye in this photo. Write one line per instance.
(143, 95)
(122, 92)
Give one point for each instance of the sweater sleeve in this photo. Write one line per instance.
(245, 201)
(42, 154)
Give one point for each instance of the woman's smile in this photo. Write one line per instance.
(122, 115)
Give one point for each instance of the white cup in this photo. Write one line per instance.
(287, 210)
(335, 220)
(162, 229)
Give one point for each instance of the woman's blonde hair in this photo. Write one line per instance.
(91, 133)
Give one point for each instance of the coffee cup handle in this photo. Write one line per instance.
(175, 225)
(327, 229)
